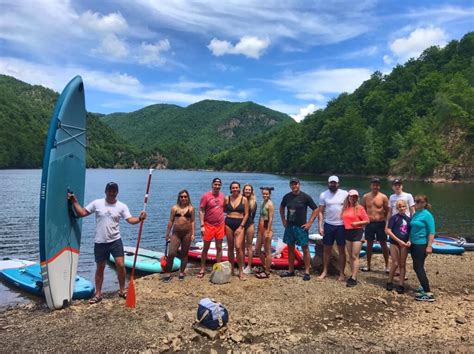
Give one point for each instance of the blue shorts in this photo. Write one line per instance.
(102, 251)
(295, 235)
(334, 233)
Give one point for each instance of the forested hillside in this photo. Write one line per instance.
(25, 112)
(417, 121)
(189, 136)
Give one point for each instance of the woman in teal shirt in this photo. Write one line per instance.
(422, 233)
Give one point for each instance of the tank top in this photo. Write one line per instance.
(264, 213)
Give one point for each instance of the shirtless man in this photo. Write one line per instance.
(376, 205)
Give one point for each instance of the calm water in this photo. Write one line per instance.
(19, 209)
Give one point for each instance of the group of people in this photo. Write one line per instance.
(343, 218)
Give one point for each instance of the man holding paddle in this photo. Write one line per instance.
(108, 212)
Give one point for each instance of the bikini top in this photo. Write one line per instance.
(238, 209)
(187, 214)
(264, 213)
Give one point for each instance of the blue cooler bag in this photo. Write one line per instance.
(211, 314)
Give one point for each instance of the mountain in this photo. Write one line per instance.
(189, 136)
(25, 112)
(416, 122)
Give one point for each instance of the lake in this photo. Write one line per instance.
(19, 209)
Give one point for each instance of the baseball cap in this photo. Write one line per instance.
(217, 179)
(333, 179)
(397, 181)
(375, 180)
(294, 180)
(111, 186)
(353, 192)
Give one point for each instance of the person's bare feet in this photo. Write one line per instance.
(321, 277)
(342, 278)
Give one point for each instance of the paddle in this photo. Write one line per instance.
(164, 259)
(131, 300)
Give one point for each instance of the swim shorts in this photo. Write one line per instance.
(376, 231)
(333, 233)
(211, 232)
(102, 251)
(295, 235)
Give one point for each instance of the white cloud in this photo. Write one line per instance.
(416, 42)
(117, 83)
(111, 23)
(250, 46)
(112, 46)
(304, 111)
(387, 59)
(152, 53)
(313, 85)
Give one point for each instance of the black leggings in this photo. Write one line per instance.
(418, 254)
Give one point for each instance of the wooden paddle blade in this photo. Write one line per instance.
(131, 299)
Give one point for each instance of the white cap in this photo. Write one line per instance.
(333, 179)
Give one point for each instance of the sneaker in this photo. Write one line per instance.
(365, 269)
(419, 290)
(306, 277)
(351, 282)
(389, 286)
(400, 289)
(424, 297)
(247, 270)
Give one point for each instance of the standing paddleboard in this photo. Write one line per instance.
(64, 168)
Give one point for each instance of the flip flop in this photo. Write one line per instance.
(262, 275)
(123, 295)
(287, 274)
(200, 275)
(365, 269)
(242, 277)
(181, 277)
(95, 300)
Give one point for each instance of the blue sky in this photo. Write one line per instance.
(292, 56)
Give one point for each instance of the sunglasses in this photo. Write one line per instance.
(418, 201)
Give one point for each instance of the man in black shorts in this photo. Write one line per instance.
(376, 205)
(108, 241)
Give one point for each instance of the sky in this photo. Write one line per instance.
(292, 56)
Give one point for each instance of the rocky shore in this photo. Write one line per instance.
(274, 315)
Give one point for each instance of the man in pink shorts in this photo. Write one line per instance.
(211, 216)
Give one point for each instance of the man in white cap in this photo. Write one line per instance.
(331, 226)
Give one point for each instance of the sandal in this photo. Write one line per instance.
(242, 277)
(262, 275)
(181, 276)
(123, 295)
(95, 300)
(365, 269)
(287, 274)
(200, 275)
(166, 279)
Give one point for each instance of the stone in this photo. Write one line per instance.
(169, 317)
(461, 320)
(358, 345)
(253, 321)
(209, 333)
(236, 337)
(339, 317)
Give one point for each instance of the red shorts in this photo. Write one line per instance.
(211, 231)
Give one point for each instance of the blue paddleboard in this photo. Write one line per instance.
(28, 278)
(147, 260)
(64, 168)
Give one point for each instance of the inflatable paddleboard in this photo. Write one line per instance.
(454, 241)
(26, 275)
(147, 260)
(278, 262)
(64, 168)
(443, 248)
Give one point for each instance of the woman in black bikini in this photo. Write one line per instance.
(237, 210)
(182, 222)
(247, 191)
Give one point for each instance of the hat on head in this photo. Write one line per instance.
(111, 186)
(217, 179)
(375, 180)
(353, 192)
(294, 180)
(397, 181)
(333, 179)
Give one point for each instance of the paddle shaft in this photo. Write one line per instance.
(141, 224)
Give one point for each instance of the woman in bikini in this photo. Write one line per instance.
(265, 232)
(182, 222)
(247, 191)
(237, 210)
